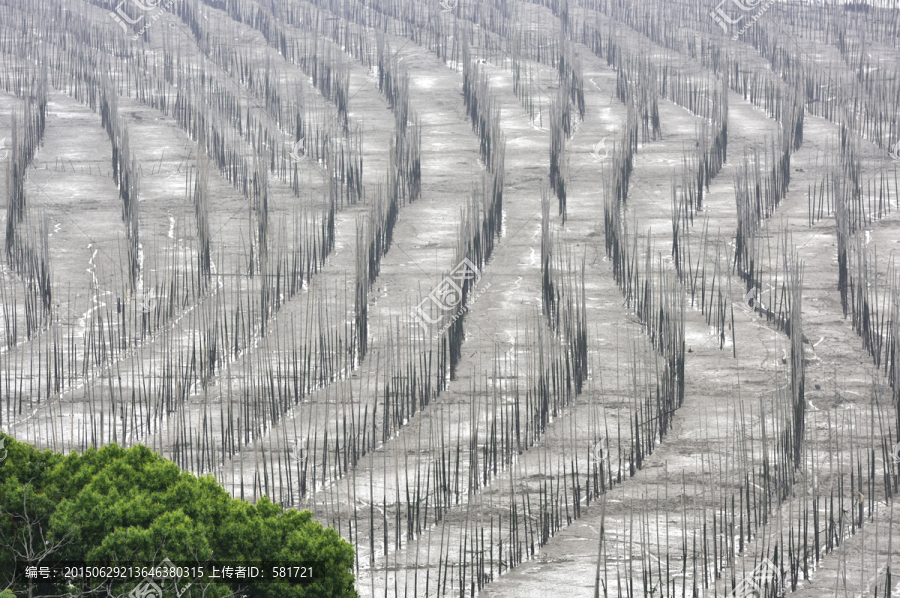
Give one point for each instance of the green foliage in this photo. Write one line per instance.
(115, 505)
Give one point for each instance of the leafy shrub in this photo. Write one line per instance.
(119, 506)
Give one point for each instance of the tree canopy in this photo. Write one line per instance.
(124, 506)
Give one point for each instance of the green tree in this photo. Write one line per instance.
(132, 506)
